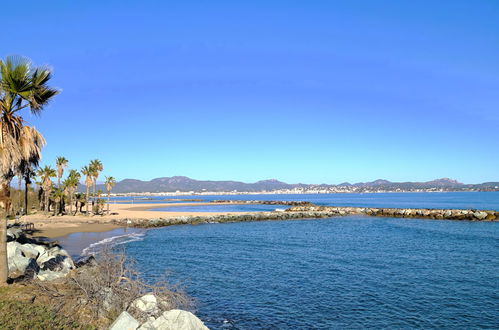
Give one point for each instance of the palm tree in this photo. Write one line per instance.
(45, 173)
(110, 183)
(61, 163)
(70, 185)
(96, 167)
(58, 196)
(21, 87)
(28, 174)
(88, 172)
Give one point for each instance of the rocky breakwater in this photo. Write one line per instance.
(312, 211)
(30, 258)
(288, 203)
(440, 214)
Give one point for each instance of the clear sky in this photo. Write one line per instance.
(300, 91)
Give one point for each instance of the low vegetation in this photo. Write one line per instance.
(20, 309)
(97, 292)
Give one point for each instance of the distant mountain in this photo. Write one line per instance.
(185, 184)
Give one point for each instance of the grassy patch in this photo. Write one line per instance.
(17, 311)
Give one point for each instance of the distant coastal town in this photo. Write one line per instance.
(331, 190)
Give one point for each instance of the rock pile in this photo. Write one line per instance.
(289, 203)
(313, 211)
(149, 305)
(447, 214)
(30, 258)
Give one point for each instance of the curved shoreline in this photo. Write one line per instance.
(140, 215)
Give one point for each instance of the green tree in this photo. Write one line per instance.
(110, 183)
(46, 173)
(58, 197)
(88, 172)
(96, 167)
(22, 86)
(61, 163)
(70, 185)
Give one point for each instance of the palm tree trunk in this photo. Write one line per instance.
(70, 202)
(47, 206)
(26, 197)
(86, 206)
(4, 264)
(108, 198)
(93, 195)
(5, 201)
(19, 185)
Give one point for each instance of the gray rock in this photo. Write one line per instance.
(124, 322)
(48, 275)
(175, 319)
(29, 251)
(147, 304)
(14, 233)
(480, 215)
(17, 262)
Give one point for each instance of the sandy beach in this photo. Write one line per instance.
(57, 226)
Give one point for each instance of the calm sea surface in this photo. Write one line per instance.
(345, 272)
(349, 272)
(447, 200)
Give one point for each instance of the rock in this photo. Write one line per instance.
(54, 263)
(124, 322)
(88, 261)
(175, 319)
(480, 215)
(147, 304)
(48, 275)
(29, 251)
(14, 233)
(17, 262)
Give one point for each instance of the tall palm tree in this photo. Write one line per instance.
(46, 173)
(88, 172)
(110, 183)
(58, 196)
(70, 185)
(61, 163)
(28, 175)
(22, 86)
(96, 167)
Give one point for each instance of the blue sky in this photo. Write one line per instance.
(300, 91)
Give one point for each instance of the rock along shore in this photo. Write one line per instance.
(310, 211)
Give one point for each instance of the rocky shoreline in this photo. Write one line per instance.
(310, 211)
(31, 260)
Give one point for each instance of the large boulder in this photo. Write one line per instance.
(174, 319)
(147, 304)
(35, 259)
(125, 322)
(18, 263)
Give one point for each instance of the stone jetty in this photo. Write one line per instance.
(440, 214)
(311, 211)
(287, 203)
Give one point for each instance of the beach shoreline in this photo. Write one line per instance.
(123, 215)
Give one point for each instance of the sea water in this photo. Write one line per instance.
(345, 272)
(341, 272)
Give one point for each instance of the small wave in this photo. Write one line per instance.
(112, 242)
